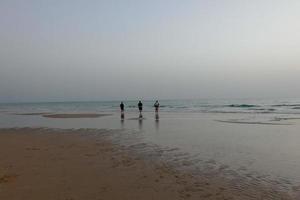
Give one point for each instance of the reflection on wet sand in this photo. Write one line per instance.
(140, 122)
(156, 121)
(156, 116)
(122, 120)
(122, 123)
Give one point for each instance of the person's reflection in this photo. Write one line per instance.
(140, 123)
(156, 121)
(122, 120)
(156, 116)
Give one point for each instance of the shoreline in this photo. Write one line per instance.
(44, 163)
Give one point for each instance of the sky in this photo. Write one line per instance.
(88, 50)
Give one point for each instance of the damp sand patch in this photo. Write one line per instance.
(76, 115)
(33, 114)
(250, 122)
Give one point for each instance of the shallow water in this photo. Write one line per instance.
(261, 148)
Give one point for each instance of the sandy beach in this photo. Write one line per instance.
(67, 164)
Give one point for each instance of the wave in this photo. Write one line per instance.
(182, 107)
(286, 105)
(263, 109)
(243, 106)
(285, 118)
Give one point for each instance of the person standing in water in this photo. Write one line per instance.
(122, 107)
(140, 106)
(156, 106)
(122, 110)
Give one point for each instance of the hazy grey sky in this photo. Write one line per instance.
(60, 50)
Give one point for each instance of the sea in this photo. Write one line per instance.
(260, 106)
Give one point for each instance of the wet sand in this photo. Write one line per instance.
(38, 163)
(41, 113)
(77, 115)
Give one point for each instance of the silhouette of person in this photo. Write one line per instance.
(140, 106)
(156, 105)
(122, 107)
(122, 110)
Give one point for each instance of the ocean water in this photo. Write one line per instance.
(261, 106)
(254, 140)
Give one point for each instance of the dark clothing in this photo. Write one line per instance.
(140, 105)
(122, 107)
